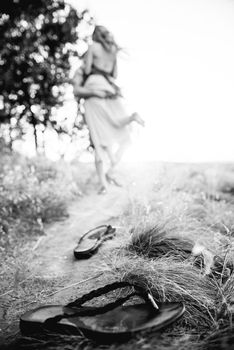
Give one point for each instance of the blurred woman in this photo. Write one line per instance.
(105, 115)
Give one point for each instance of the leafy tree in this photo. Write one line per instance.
(37, 40)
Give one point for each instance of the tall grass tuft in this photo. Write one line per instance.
(156, 242)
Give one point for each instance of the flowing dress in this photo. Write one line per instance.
(105, 116)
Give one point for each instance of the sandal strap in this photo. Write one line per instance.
(92, 311)
(107, 227)
(97, 293)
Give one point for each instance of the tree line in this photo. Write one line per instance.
(37, 40)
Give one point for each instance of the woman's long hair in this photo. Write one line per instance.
(105, 38)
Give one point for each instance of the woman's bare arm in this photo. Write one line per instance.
(84, 92)
(77, 82)
(81, 91)
(88, 61)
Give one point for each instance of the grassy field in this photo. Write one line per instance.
(177, 241)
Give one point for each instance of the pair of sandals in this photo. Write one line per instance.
(112, 322)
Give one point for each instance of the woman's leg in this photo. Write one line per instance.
(134, 117)
(110, 173)
(115, 159)
(120, 151)
(100, 172)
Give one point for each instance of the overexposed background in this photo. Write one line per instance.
(177, 71)
(176, 68)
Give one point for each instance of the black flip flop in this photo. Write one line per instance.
(91, 241)
(113, 322)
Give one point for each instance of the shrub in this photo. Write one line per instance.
(32, 192)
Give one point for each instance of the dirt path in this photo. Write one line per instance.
(54, 255)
